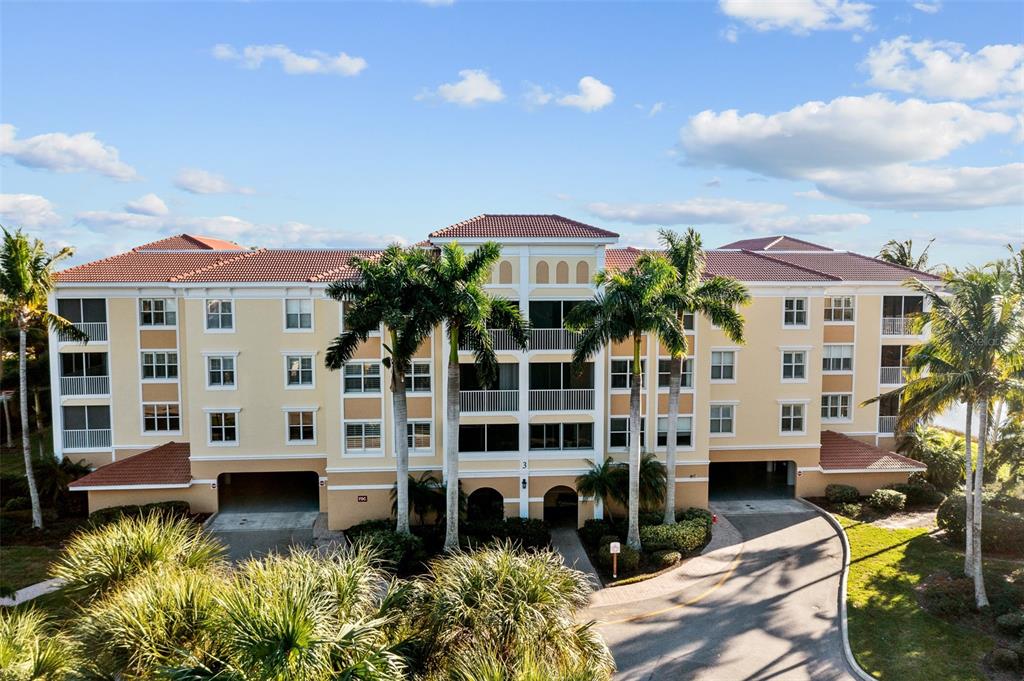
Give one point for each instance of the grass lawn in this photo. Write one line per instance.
(891, 635)
(21, 566)
(12, 461)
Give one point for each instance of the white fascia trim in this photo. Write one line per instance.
(111, 488)
(902, 469)
(350, 469)
(256, 457)
(795, 400)
(694, 479)
(740, 447)
(301, 408)
(489, 474)
(219, 410)
(555, 472)
(352, 488)
(806, 348)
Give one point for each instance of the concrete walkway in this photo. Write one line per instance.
(32, 591)
(248, 534)
(565, 541)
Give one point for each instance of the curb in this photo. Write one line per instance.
(31, 592)
(851, 661)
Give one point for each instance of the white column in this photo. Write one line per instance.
(444, 399)
(56, 411)
(524, 390)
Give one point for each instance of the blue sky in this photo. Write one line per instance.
(324, 124)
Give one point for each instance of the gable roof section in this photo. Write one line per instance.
(265, 265)
(853, 266)
(742, 265)
(190, 242)
(167, 464)
(144, 266)
(775, 243)
(521, 227)
(842, 453)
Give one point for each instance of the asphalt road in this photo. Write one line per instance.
(774, 617)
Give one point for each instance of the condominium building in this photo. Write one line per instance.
(204, 379)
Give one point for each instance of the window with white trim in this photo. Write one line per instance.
(723, 365)
(301, 426)
(685, 380)
(298, 313)
(161, 417)
(220, 315)
(792, 418)
(618, 432)
(159, 365)
(220, 371)
(362, 436)
(622, 373)
(794, 365)
(558, 436)
(362, 377)
(723, 419)
(839, 309)
(158, 312)
(794, 312)
(419, 434)
(684, 431)
(417, 379)
(223, 427)
(298, 371)
(836, 406)
(837, 358)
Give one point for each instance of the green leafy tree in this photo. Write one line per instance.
(628, 305)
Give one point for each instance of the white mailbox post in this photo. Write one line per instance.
(615, 548)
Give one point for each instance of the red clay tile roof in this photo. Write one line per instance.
(776, 243)
(144, 266)
(164, 465)
(742, 265)
(842, 452)
(266, 265)
(854, 266)
(521, 227)
(190, 242)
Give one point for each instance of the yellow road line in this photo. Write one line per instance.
(691, 601)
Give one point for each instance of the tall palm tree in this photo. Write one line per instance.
(609, 481)
(426, 494)
(717, 298)
(390, 290)
(26, 280)
(627, 305)
(456, 287)
(902, 253)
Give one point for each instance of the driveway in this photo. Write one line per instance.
(255, 534)
(767, 611)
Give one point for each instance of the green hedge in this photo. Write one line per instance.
(108, 515)
(686, 537)
(1002, 530)
(665, 559)
(887, 500)
(594, 529)
(919, 493)
(403, 552)
(529, 533)
(841, 494)
(629, 559)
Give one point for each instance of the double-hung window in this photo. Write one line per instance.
(220, 315)
(298, 314)
(417, 379)
(418, 434)
(684, 431)
(362, 436)
(837, 358)
(301, 426)
(723, 365)
(622, 373)
(792, 418)
(685, 379)
(723, 419)
(839, 309)
(362, 377)
(835, 406)
(794, 312)
(220, 372)
(298, 371)
(223, 427)
(160, 417)
(618, 432)
(158, 312)
(794, 365)
(159, 365)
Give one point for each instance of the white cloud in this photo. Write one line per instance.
(656, 109)
(253, 56)
(28, 211)
(691, 211)
(816, 223)
(592, 95)
(946, 69)
(198, 181)
(150, 204)
(928, 6)
(63, 153)
(800, 16)
(974, 236)
(535, 96)
(438, 3)
(474, 87)
(811, 194)
(730, 34)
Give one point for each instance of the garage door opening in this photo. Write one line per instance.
(752, 480)
(269, 492)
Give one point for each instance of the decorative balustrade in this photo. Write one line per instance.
(501, 339)
(887, 424)
(572, 399)
(488, 400)
(96, 331)
(553, 339)
(892, 375)
(87, 439)
(84, 385)
(896, 326)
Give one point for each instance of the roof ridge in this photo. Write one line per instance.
(93, 262)
(761, 254)
(861, 443)
(339, 268)
(243, 255)
(803, 241)
(892, 264)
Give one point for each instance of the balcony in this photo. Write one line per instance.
(488, 400)
(553, 339)
(84, 385)
(887, 424)
(96, 331)
(897, 326)
(501, 339)
(87, 439)
(892, 375)
(570, 399)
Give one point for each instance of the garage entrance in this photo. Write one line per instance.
(268, 492)
(752, 480)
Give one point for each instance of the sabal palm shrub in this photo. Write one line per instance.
(32, 648)
(101, 559)
(511, 613)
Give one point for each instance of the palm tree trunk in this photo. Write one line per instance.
(675, 372)
(33, 492)
(633, 533)
(969, 492)
(401, 409)
(7, 422)
(451, 459)
(980, 597)
(39, 410)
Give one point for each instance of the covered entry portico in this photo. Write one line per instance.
(736, 480)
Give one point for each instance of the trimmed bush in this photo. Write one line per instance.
(171, 509)
(1005, 659)
(403, 552)
(887, 500)
(606, 540)
(686, 537)
(375, 525)
(694, 513)
(529, 533)
(1002, 530)
(919, 493)
(629, 559)
(1011, 623)
(849, 510)
(594, 529)
(665, 559)
(945, 596)
(650, 518)
(841, 494)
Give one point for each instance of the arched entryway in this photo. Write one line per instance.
(485, 504)
(561, 506)
(283, 491)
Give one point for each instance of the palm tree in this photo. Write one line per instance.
(456, 287)
(902, 253)
(603, 481)
(26, 280)
(426, 494)
(389, 290)
(628, 305)
(716, 298)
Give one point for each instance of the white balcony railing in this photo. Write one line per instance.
(84, 385)
(896, 326)
(87, 439)
(96, 331)
(553, 339)
(488, 400)
(567, 399)
(501, 339)
(892, 375)
(887, 424)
